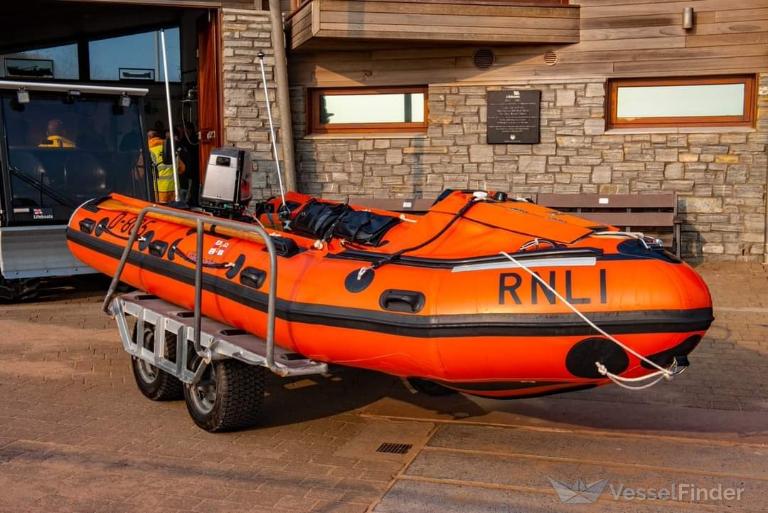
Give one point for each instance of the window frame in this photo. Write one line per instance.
(313, 111)
(747, 119)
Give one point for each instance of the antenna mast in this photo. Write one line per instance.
(177, 187)
(272, 129)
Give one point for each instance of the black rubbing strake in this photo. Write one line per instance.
(419, 326)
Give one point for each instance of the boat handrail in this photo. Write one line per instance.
(200, 221)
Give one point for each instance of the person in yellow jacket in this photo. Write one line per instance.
(55, 136)
(165, 188)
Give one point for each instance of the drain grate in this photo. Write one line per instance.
(393, 448)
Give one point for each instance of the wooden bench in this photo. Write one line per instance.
(626, 211)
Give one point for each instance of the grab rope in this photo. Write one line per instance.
(661, 372)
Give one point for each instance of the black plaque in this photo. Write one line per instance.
(514, 116)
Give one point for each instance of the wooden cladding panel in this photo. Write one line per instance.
(456, 21)
(619, 38)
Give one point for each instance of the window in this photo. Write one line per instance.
(359, 110)
(57, 62)
(63, 151)
(135, 57)
(695, 101)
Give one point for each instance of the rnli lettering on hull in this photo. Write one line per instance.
(519, 288)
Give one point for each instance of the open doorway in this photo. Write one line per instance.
(120, 44)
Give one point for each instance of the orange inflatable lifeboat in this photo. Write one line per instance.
(481, 294)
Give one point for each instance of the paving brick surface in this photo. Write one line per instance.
(76, 435)
(706, 429)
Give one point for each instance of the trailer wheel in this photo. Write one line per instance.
(154, 383)
(229, 396)
(424, 386)
(14, 291)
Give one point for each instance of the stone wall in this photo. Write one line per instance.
(245, 32)
(719, 175)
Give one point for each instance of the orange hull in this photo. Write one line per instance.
(488, 330)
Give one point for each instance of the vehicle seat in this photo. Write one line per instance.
(86, 177)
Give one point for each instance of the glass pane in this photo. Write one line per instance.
(372, 108)
(62, 153)
(139, 56)
(681, 101)
(58, 62)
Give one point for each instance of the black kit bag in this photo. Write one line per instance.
(364, 227)
(317, 219)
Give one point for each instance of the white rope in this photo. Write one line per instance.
(362, 272)
(662, 373)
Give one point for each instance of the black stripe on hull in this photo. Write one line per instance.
(515, 389)
(435, 326)
(531, 395)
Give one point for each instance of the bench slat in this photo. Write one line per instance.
(610, 201)
(395, 205)
(632, 219)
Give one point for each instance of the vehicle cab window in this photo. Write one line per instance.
(64, 149)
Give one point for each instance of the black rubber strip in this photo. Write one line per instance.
(574, 388)
(418, 326)
(497, 386)
(449, 263)
(525, 256)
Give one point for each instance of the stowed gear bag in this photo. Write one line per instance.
(364, 227)
(317, 219)
(325, 220)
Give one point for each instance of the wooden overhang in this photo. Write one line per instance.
(345, 24)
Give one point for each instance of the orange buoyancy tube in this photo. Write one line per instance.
(453, 311)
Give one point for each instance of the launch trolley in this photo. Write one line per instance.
(219, 370)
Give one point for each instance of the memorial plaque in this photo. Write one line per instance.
(514, 116)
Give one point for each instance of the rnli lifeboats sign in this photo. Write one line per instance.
(514, 116)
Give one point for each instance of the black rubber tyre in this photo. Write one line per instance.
(427, 387)
(235, 401)
(154, 383)
(15, 291)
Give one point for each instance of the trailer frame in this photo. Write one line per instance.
(201, 342)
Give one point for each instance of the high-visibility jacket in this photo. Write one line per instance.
(56, 141)
(164, 185)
